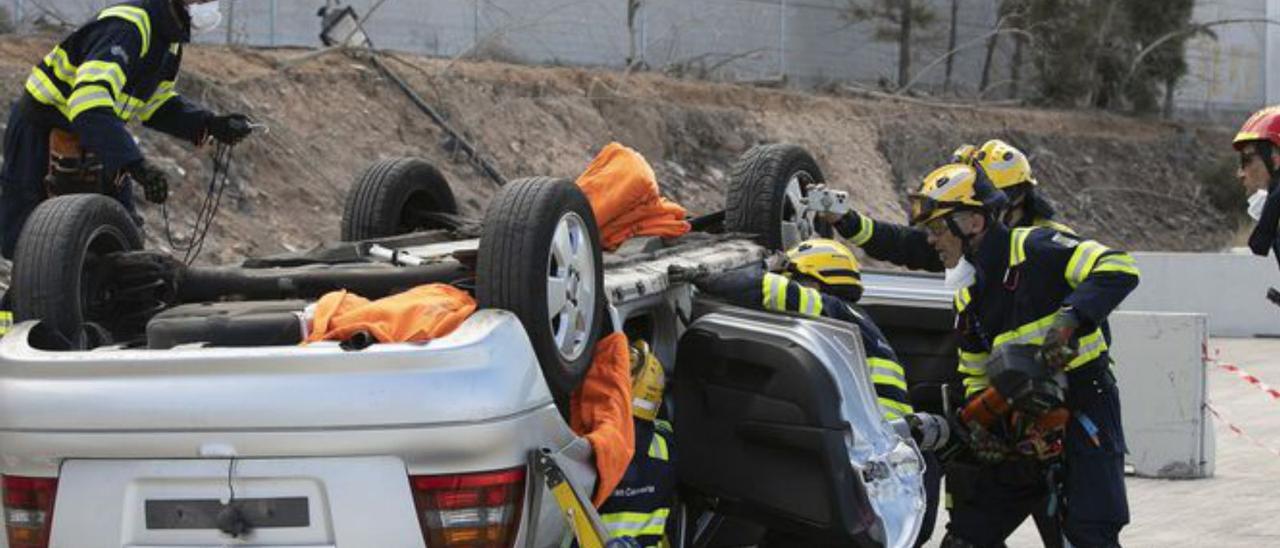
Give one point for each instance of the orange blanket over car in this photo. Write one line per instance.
(624, 197)
(420, 314)
(600, 410)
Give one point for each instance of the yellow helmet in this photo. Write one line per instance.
(964, 154)
(827, 261)
(1004, 164)
(954, 187)
(648, 380)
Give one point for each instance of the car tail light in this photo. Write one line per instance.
(470, 510)
(28, 510)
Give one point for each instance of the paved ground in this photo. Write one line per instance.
(1240, 505)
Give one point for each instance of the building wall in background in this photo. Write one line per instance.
(809, 42)
(1228, 76)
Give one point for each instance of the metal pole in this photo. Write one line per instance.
(231, 19)
(17, 13)
(272, 17)
(782, 39)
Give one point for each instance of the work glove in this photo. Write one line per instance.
(155, 184)
(1059, 348)
(832, 218)
(229, 128)
(776, 262)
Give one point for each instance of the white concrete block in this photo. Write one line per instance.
(1161, 373)
(1230, 288)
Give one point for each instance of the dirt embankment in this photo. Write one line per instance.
(1126, 182)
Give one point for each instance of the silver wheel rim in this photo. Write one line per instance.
(571, 287)
(797, 220)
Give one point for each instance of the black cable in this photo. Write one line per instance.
(208, 210)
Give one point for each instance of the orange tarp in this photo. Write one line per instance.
(600, 410)
(420, 314)
(624, 197)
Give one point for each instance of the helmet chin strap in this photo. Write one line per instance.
(965, 239)
(1267, 153)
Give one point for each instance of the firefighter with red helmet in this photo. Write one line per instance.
(1258, 144)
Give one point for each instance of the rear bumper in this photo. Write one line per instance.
(472, 400)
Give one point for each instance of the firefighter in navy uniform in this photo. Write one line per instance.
(1047, 289)
(1006, 167)
(119, 67)
(641, 503)
(822, 279)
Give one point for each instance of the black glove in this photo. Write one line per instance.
(1059, 349)
(155, 184)
(229, 128)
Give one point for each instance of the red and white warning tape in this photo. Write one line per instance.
(1248, 377)
(1239, 431)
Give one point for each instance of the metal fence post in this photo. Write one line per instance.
(272, 18)
(782, 39)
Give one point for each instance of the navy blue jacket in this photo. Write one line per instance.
(908, 246)
(1025, 276)
(120, 66)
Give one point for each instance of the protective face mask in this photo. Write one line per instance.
(204, 17)
(961, 276)
(1256, 204)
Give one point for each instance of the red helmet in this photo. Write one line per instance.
(1264, 125)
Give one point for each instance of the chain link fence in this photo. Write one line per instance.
(803, 43)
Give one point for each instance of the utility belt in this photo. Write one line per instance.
(72, 168)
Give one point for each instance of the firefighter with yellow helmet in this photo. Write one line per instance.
(821, 278)
(1006, 167)
(1047, 289)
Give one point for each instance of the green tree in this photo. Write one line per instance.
(895, 21)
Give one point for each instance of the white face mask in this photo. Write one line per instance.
(960, 276)
(204, 17)
(1256, 203)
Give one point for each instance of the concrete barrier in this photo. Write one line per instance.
(1230, 288)
(1161, 373)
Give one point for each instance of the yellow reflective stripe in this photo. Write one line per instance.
(973, 363)
(129, 106)
(1018, 242)
(962, 299)
(1083, 260)
(42, 89)
(658, 448)
(893, 409)
(889, 365)
(865, 229)
(88, 97)
(973, 385)
(775, 292)
(1053, 225)
(1031, 333)
(810, 301)
(1091, 348)
(135, 15)
(1118, 262)
(889, 380)
(6, 321)
(58, 61)
(101, 71)
(155, 103)
(635, 524)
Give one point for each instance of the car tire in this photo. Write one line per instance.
(764, 192)
(540, 258)
(58, 270)
(391, 197)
